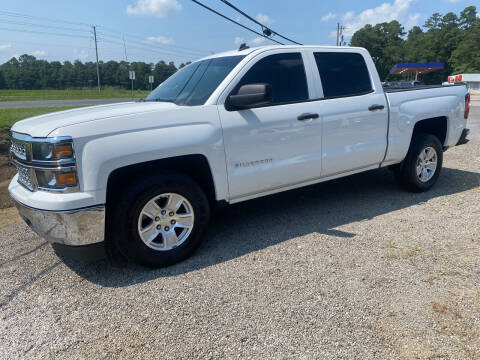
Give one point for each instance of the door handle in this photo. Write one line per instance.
(307, 116)
(376, 107)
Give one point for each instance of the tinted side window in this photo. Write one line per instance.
(343, 74)
(284, 72)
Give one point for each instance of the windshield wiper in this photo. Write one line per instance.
(162, 100)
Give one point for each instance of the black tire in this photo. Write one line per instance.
(127, 210)
(406, 173)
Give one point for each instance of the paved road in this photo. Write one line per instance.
(350, 269)
(45, 103)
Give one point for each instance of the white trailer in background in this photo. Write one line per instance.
(471, 80)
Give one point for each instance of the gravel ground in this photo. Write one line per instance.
(354, 268)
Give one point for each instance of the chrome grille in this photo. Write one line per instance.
(22, 150)
(24, 177)
(19, 150)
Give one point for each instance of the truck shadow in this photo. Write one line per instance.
(257, 224)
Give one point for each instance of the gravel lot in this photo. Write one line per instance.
(353, 268)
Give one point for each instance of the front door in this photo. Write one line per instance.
(278, 144)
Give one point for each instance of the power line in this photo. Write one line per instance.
(120, 34)
(13, 14)
(147, 49)
(45, 33)
(41, 25)
(120, 41)
(235, 22)
(44, 43)
(42, 22)
(266, 30)
(119, 52)
(125, 37)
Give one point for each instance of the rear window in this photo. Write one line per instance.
(343, 74)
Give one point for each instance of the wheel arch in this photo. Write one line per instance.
(437, 126)
(195, 166)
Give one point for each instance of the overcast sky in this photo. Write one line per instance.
(180, 30)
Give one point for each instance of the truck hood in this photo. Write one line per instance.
(43, 125)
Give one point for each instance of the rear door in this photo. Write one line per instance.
(273, 145)
(354, 113)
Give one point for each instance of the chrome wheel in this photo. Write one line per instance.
(427, 164)
(166, 221)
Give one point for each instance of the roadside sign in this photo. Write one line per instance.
(150, 79)
(131, 75)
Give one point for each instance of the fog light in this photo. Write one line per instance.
(66, 179)
(47, 179)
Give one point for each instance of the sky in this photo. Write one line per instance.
(180, 30)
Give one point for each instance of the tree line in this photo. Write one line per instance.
(452, 39)
(27, 72)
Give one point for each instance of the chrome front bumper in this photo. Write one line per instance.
(72, 227)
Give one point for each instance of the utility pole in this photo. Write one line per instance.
(125, 48)
(338, 32)
(96, 51)
(340, 38)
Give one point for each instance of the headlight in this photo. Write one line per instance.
(49, 151)
(45, 163)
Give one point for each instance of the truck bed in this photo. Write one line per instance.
(422, 87)
(437, 102)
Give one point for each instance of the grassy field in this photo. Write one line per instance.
(8, 117)
(68, 94)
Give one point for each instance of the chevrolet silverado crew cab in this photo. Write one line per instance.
(144, 176)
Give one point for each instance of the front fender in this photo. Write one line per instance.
(102, 156)
(103, 146)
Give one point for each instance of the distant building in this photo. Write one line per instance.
(472, 81)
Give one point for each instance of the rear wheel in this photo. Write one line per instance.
(422, 165)
(161, 220)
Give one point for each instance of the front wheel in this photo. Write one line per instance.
(160, 220)
(421, 167)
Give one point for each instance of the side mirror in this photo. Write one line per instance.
(250, 95)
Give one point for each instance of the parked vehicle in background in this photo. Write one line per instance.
(402, 84)
(144, 176)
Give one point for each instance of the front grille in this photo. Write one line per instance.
(29, 155)
(24, 177)
(19, 150)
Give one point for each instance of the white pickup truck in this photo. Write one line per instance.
(143, 176)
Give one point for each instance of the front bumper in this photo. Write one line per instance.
(78, 227)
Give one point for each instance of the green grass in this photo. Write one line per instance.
(68, 94)
(10, 116)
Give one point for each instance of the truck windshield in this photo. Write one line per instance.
(194, 84)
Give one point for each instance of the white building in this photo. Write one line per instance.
(472, 81)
